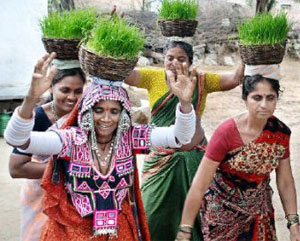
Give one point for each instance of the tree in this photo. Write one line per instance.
(60, 5)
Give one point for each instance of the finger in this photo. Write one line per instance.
(39, 64)
(170, 77)
(194, 72)
(178, 67)
(185, 69)
(48, 61)
(52, 73)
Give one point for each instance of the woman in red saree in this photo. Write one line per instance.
(232, 182)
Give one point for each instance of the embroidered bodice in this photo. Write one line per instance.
(93, 193)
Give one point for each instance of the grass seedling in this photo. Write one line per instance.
(178, 9)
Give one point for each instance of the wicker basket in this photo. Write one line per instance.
(262, 54)
(105, 67)
(64, 48)
(177, 27)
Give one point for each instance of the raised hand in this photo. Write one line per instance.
(184, 85)
(42, 78)
(41, 81)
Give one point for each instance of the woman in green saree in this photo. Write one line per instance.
(168, 173)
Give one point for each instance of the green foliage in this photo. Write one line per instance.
(264, 29)
(178, 9)
(74, 24)
(114, 37)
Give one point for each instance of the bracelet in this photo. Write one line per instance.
(292, 221)
(185, 228)
(290, 214)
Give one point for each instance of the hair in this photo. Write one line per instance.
(68, 72)
(62, 73)
(250, 82)
(187, 48)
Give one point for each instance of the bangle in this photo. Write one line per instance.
(290, 214)
(185, 228)
(292, 221)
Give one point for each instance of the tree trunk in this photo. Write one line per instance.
(60, 5)
(261, 6)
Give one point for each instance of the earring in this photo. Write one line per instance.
(123, 126)
(86, 122)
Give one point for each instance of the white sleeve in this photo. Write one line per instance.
(176, 135)
(43, 143)
(17, 132)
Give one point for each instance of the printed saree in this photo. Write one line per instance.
(238, 204)
(168, 174)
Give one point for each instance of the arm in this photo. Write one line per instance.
(40, 83)
(185, 123)
(21, 166)
(230, 81)
(197, 138)
(287, 192)
(133, 79)
(201, 182)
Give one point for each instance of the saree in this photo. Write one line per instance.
(238, 204)
(168, 173)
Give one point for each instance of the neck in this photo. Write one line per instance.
(104, 140)
(254, 123)
(56, 111)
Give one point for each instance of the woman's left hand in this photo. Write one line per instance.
(295, 233)
(184, 85)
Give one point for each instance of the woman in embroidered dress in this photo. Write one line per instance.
(92, 189)
(66, 89)
(168, 173)
(232, 182)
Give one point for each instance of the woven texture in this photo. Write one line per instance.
(262, 54)
(64, 48)
(177, 27)
(105, 67)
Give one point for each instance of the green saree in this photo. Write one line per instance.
(167, 177)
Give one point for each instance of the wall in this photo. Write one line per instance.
(20, 44)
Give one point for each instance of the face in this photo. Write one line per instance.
(106, 118)
(178, 54)
(261, 102)
(66, 93)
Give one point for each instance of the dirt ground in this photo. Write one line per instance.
(219, 107)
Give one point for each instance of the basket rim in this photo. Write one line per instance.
(71, 39)
(255, 45)
(177, 19)
(106, 57)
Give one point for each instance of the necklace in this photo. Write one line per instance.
(104, 161)
(53, 111)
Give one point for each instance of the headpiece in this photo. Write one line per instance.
(271, 71)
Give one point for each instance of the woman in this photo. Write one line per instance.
(168, 173)
(66, 88)
(94, 165)
(232, 182)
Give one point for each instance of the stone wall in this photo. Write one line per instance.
(215, 41)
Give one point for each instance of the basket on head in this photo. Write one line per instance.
(65, 48)
(262, 54)
(105, 67)
(177, 27)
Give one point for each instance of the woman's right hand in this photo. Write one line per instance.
(183, 236)
(42, 78)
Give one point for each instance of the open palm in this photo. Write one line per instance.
(42, 78)
(183, 87)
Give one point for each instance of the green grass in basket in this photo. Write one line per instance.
(178, 9)
(264, 29)
(114, 37)
(74, 24)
